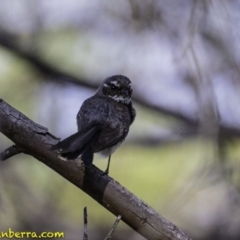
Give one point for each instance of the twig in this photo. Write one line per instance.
(109, 236)
(85, 235)
(9, 152)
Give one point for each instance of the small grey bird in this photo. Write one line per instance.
(103, 122)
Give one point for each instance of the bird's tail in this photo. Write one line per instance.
(78, 144)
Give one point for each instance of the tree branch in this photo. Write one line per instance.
(36, 141)
(9, 42)
(9, 152)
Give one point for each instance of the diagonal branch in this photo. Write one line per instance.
(35, 140)
(9, 42)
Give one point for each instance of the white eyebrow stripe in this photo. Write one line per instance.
(116, 83)
(105, 85)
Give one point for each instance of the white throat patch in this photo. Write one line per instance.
(121, 99)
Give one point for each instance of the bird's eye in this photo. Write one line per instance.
(114, 87)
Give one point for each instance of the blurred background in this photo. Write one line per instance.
(182, 153)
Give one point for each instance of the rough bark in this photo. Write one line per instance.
(35, 140)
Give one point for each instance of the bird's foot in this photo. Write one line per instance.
(105, 173)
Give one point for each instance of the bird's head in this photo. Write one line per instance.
(118, 88)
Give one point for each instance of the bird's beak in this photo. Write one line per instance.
(125, 93)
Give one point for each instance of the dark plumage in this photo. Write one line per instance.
(103, 122)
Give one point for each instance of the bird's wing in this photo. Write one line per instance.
(113, 120)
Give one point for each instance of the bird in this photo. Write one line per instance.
(103, 122)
